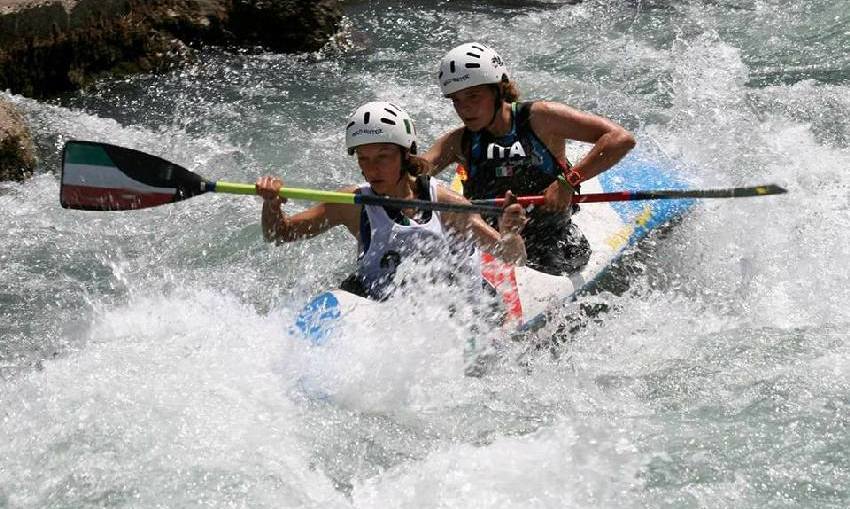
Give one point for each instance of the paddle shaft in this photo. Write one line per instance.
(100, 176)
(670, 194)
(356, 199)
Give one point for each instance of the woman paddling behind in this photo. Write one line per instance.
(504, 144)
(384, 139)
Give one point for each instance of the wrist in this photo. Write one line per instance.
(503, 245)
(573, 177)
(510, 248)
(565, 183)
(282, 228)
(274, 203)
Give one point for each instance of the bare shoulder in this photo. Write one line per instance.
(548, 111)
(449, 143)
(554, 120)
(452, 135)
(446, 149)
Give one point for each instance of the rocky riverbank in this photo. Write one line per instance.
(16, 152)
(52, 46)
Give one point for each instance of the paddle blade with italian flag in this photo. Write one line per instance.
(99, 176)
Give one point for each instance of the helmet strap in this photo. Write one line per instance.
(405, 165)
(497, 105)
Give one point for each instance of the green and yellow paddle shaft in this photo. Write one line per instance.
(297, 193)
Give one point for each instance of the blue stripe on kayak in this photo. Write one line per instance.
(318, 318)
(635, 173)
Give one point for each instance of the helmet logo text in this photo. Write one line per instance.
(455, 80)
(373, 132)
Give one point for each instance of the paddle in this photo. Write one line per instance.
(670, 194)
(100, 176)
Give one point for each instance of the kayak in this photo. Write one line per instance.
(611, 229)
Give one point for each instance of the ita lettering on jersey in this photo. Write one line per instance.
(496, 151)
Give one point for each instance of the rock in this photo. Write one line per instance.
(286, 25)
(51, 46)
(17, 161)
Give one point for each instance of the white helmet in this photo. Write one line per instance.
(380, 122)
(469, 65)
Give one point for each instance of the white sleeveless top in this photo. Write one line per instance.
(392, 243)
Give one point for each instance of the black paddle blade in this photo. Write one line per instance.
(99, 176)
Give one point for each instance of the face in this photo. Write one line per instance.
(380, 164)
(474, 105)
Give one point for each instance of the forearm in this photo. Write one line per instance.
(505, 243)
(508, 246)
(608, 150)
(282, 228)
(278, 227)
(270, 220)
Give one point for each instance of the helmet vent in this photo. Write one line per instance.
(474, 55)
(389, 121)
(350, 124)
(441, 74)
(391, 112)
(407, 126)
(366, 118)
(452, 67)
(479, 48)
(472, 65)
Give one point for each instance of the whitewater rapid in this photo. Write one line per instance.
(144, 360)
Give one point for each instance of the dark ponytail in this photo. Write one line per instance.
(415, 165)
(510, 91)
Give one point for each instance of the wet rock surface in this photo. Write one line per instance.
(51, 46)
(48, 47)
(16, 151)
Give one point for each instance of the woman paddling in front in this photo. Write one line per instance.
(384, 139)
(504, 144)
